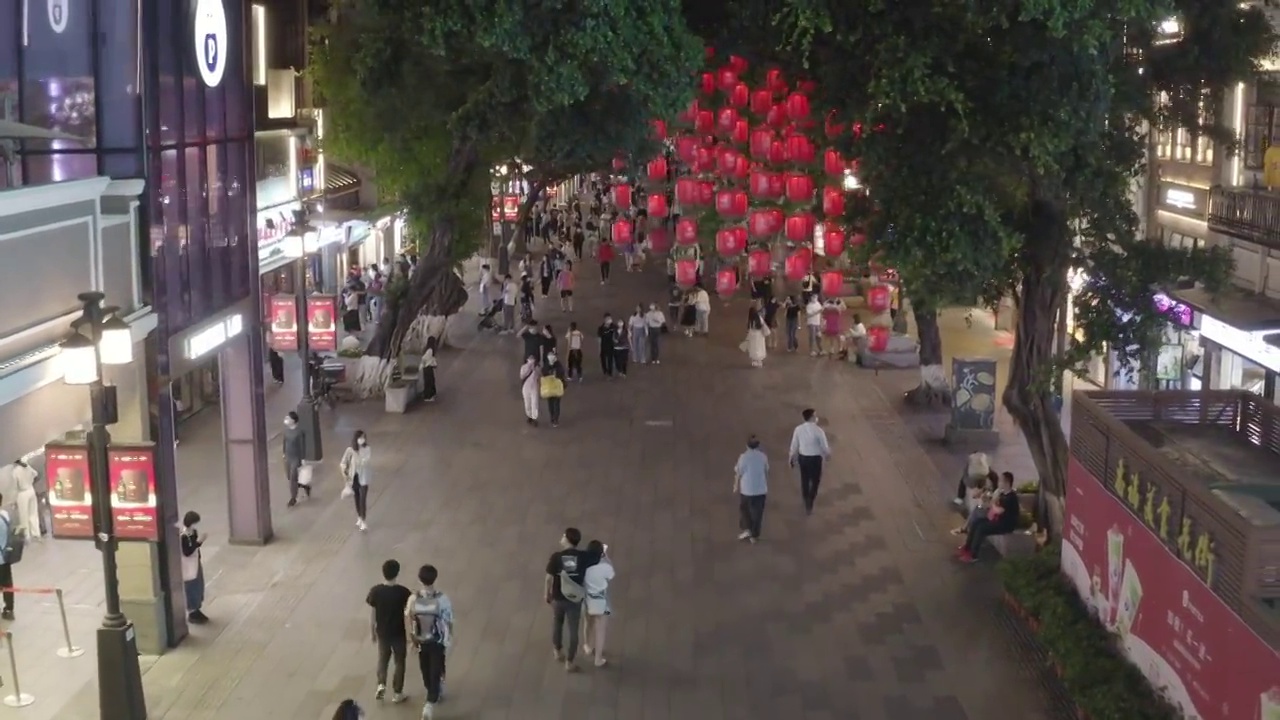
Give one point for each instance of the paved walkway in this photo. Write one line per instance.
(855, 612)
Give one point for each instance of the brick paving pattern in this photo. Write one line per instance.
(855, 613)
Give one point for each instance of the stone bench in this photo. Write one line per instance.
(1018, 543)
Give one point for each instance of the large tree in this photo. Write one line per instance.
(431, 94)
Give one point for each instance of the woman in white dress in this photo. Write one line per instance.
(757, 333)
(596, 582)
(530, 379)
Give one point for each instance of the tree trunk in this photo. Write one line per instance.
(933, 387)
(1029, 395)
(526, 207)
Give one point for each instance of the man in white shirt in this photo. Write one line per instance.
(813, 319)
(655, 322)
(486, 279)
(856, 334)
(808, 449)
(702, 311)
(508, 304)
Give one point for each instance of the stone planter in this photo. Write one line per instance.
(1027, 502)
(399, 396)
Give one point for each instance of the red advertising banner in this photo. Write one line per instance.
(284, 323)
(322, 322)
(506, 207)
(1211, 665)
(133, 492)
(70, 495)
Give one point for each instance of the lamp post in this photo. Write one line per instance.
(99, 337)
(308, 412)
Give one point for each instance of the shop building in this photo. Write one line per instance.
(163, 92)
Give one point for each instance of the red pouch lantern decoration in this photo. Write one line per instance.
(759, 223)
(687, 149)
(799, 227)
(708, 83)
(687, 231)
(777, 152)
(759, 263)
(877, 338)
(729, 241)
(776, 219)
(833, 163)
(761, 141)
(704, 121)
(831, 127)
(832, 283)
(622, 232)
(739, 95)
(797, 264)
(776, 185)
(761, 101)
(832, 201)
(704, 158)
(799, 187)
(774, 80)
(657, 170)
(619, 164)
(800, 149)
(659, 240)
(738, 64)
(726, 281)
(659, 129)
(686, 273)
(832, 239)
(878, 297)
(776, 117)
(797, 106)
(706, 192)
(858, 239)
(727, 79)
(622, 196)
(657, 205)
(727, 118)
(741, 131)
(726, 160)
(687, 191)
(731, 203)
(759, 185)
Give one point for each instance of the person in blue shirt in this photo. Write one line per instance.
(751, 484)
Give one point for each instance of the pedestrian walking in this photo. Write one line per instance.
(546, 273)
(808, 449)
(675, 300)
(551, 386)
(751, 484)
(655, 325)
(27, 522)
(566, 281)
(702, 310)
(294, 442)
(769, 308)
(357, 472)
(757, 332)
(486, 280)
(431, 614)
(192, 565)
(574, 339)
(564, 591)
(605, 334)
(813, 319)
(596, 579)
(530, 386)
(508, 304)
(276, 363)
(605, 256)
(548, 342)
(427, 367)
(387, 629)
(792, 308)
(621, 348)
(638, 329)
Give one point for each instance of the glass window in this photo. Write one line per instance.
(216, 241)
(119, 78)
(170, 20)
(237, 221)
(57, 75)
(193, 89)
(197, 210)
(126, 164)
(174, 248)
(238, 91)
(52, 166)
(215, 108)
(1257, 135)
(9, 44)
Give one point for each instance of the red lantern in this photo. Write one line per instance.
(728, 160)
(622, 196)
(657, 205)
(686, 273)
(776, 185)
(759, 185)
(761, 140)
(774, 81)
(726, 119)
(799, 227)
(619, 164)
(731, 203)
(687, 191)
(832, 201)
(704, 121)
(657, 170)
(858, 239)
(687, 149)
(659, 240)
(797, 106)
(622, 232)
(832, 128)
(727, 79)
(797, 264)
(776, 219)
(759, 223)
(878, 297)
(832, 239)
(687, 114)
(738, 64)
(708, 83)
(776, 117)
(800, 149)
(687, 231)
(726, 281)
(799, 187)
(807, 86)
(704, 159)
(777, 152)
(706, 192)
(659, 129)
(729, 241)
(741, 131)
(739, 95)
(877, 338)
(759, 263)
(833, 163)
(832, 283)
(761, 101)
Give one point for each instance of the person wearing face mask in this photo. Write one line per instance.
(605, 334)
(189, 541)
(356, 471)
(552, 385)
(808, 449)
(530, 387)
(295, 450)
(655, 325)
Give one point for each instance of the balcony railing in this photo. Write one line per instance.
(1252, 215)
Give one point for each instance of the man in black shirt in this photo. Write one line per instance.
(388, 600)
(531, 337)
(564, 592)
(606, 335)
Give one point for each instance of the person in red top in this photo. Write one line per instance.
(606, 259)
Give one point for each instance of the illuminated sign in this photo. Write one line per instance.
(58, 15)
(210, 39)
(211, 338)
(1251, 345)
(1183, 199)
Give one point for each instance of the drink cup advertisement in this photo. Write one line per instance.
(1203, 657)
(70, 498)
(322, 326)
(133, 492)
(284, 323)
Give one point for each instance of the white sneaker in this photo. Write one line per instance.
(428, 711)
(362, 525)
(380, 693)
(399, 698)
(744, 535)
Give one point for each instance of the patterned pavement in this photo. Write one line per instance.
(855, 613)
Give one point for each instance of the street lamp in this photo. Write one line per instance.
(295, 244)
(99, 337)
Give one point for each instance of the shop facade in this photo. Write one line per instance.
(1181, 218)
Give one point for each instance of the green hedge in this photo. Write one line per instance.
(1104, 685)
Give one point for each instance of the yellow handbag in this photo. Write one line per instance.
(551, 387)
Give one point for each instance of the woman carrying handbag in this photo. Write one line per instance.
(355, 466)
(551, 386)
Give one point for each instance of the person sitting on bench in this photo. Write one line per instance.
(1001, 519)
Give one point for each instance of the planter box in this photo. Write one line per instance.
(1027, 502)
(399, 397)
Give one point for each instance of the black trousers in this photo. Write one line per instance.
(606, 360)
(575, 364)
(620, 357)
(277, 366)
(553, 409)
(360, 493)
(604, 271)
(546, 286)
(428, 383)
(387, 649)
(751, 513)
(6, 582)
(431, 661)
(810, 477)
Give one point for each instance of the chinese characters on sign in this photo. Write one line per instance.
(1194, 545)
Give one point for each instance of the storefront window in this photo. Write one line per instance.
(57, 74)
(118, 74)
(235, 84)
(198, 256)
(275, 185)
(243, 280)
(171, 260)
(171, 19)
